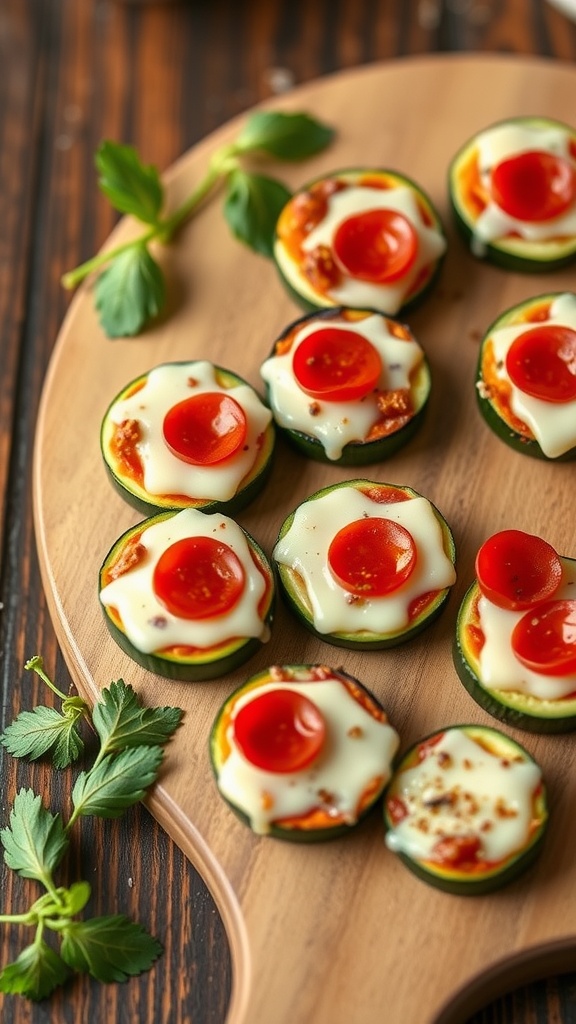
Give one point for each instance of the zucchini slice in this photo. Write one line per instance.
(347, 387)
(167, 445)
(302, 752)
(466, 810)
(502, 184)
(363, 238)
(525, 386)
(354, 563)
(155, 592)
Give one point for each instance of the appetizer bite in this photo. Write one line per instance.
(515, 646)
(188, 435)
(302, 752)
(368, 239)
(513, 193)
(526, 377)
(466, 810)
(347, 386)
(365, 565)
(187, 595)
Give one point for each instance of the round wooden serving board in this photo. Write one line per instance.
(341, 932)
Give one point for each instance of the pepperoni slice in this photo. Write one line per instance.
(378, 246)
(534, 185)
(516, 570)
(541, 362)
(544, 639)
(336, 365)
(205, 429)
(280, 731)
(372, 557)
(198, 578)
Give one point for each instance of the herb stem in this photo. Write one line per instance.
(36, 664)
(221, 165)
(74, 277)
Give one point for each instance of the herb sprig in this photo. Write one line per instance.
(130, 288)
(131, 740)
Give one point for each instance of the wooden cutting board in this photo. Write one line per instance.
(337, 933)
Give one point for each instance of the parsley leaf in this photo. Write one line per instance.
(122, 722)
(110, 948)
(36, 973)
(252, 206)
(130, 186)
(285, 136)
(33, 733)
(35, 842)
(129, 292)
(116, 782)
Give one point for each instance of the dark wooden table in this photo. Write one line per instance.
(161, 76)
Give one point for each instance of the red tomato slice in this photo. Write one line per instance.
(376, 246)
(372, 557)
(516, 570)
(541, 362)
(280, 731)
(336, 365)
(205, 429)
(198, 578)
(544, 639)
(534, 186)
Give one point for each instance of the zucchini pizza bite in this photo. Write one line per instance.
(365, 565)
(513, 193)
(347, 386)
(368, 239)
(188, 435)
(526, 377)
(187, 595)
(466, 810)
(302, 752)
(515, 646)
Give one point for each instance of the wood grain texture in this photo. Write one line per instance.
(320, 912)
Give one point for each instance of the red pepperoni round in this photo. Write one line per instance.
(205, 429)
(336, 365)
(541, 362)
(516, 570)
(376, 246)
(198, 578)
(534, 185)
(280, 731)
(544, 639)
(372, 557)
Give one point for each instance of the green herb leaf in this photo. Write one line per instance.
(116, 782)
(129, 292)
(121, 721)
(130, 185)
(36, 973)
(33, 733)
(35, 842)
(109, 948)
(74, 899)
(285, 136)
(252, 207)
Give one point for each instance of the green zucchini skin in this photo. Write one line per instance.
(518, 710)
(365, 641)
(488, 407)
(149, 504)
(312, 301)
(200, 666)
(513, 254)
(277, 830)
(451, 880)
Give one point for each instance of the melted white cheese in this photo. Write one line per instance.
(336, 424)
(304, 548)
(164, 472)
(499, 143)
(552, 423)
(388, 297)
(500, 669)
(460, 789)
(148, 624)
(347, 764)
